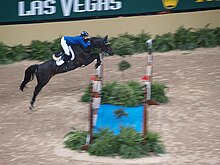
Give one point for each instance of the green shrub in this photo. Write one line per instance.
(128, 93)
(137, 88)
(119, 113)
(206, 37)
(128, 144)
(158, 92)
(154, 144)
(18, 53)
(86, 95)
(104, 144)
(121, 95)
(127, 151)
(107, 91)
(140, 42)
(55, 45)
(216, 32)
(40, 50)
(163, 43)
(184, 39)
(123, 46)
(123, 65)
(75, 140)
(126, 35)
(124, 94)
(4, 54)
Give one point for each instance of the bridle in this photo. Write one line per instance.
(101, 44)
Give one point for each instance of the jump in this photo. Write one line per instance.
(83, 57)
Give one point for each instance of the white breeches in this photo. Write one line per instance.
(67, 49)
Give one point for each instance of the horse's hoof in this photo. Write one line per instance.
(97, 65)
(31, 107)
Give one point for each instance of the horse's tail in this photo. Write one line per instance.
(29, 75)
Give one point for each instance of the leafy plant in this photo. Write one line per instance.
(86, 96)
(75, 140)
(184, 38)
(107, 91)
(121, 95)
(140, 42)
(128, 93)
(127, 151)
(127, 35)
(124, 94)
(154, 144)
(40, 50)
(216, 32)
(163, 43)
(123, 46)
(4, 52)
(128, 144)
(122, 66)
(105, 144)
(206, 37)
(55, 45)
(158, 92)
(120, 113)
(18, 53)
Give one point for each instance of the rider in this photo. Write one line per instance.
(68, 41)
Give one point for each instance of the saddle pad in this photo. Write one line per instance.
(59, 62)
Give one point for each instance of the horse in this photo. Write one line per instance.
(46, 70)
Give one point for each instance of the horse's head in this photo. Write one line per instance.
(102, 44)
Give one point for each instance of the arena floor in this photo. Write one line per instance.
(189, 124)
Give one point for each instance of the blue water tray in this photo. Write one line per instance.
(107, 118)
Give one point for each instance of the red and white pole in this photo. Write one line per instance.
(95, 99)
(147, 85)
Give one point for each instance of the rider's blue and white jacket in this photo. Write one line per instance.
(76, 40)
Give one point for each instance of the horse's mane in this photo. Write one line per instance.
(96, 40)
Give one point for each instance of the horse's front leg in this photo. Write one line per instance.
(98, 61)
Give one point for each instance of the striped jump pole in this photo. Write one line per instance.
(96, 82)
(147, 86)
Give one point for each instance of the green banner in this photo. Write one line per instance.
(17, 11)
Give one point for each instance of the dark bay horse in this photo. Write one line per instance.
(45, 71)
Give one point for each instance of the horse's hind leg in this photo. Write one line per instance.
(36, 92)
(38, 88)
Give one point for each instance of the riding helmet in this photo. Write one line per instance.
(84, 34)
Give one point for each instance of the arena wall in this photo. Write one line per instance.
(154, 24)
